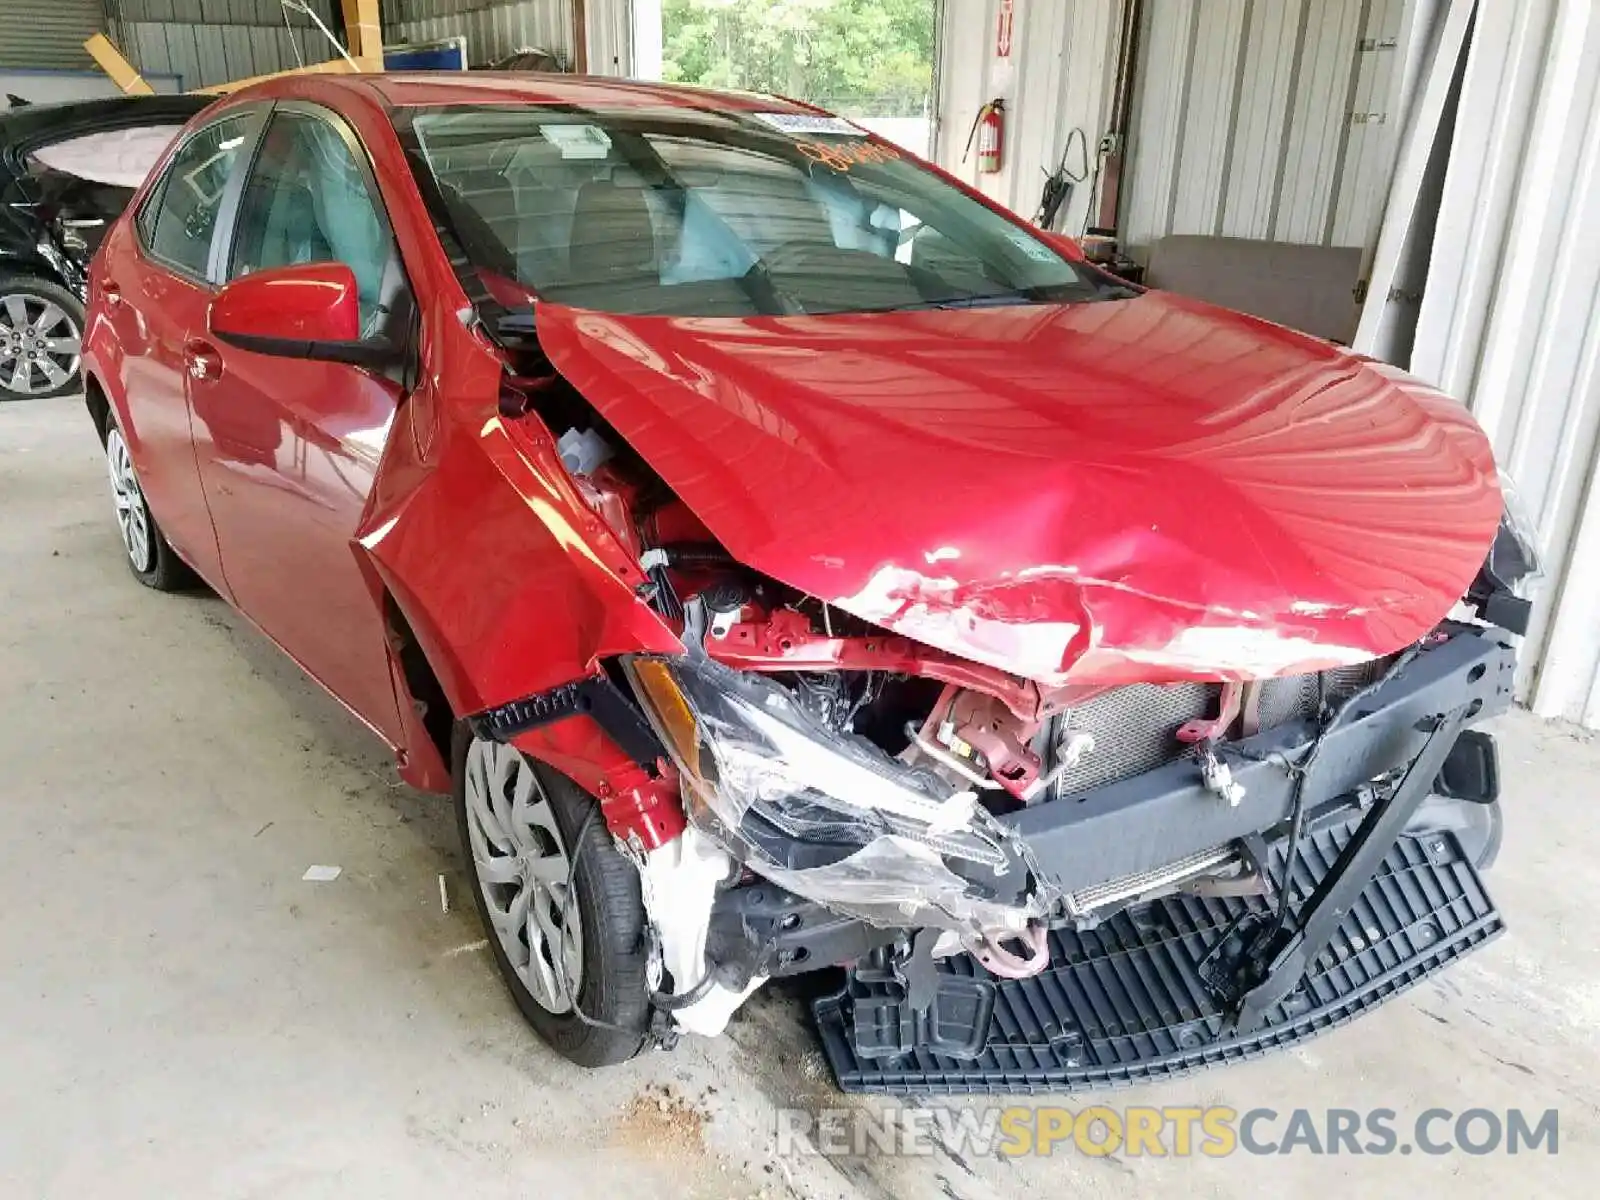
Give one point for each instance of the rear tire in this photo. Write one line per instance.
(151, 557)
(519, 821)
(41, 332)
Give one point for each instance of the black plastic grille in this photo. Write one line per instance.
(1124, 1003)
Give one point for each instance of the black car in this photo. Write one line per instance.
(66, 172)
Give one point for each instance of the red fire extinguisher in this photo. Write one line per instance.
(989, 128)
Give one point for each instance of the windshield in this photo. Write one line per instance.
(689, 213)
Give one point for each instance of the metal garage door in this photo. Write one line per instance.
(49, 33)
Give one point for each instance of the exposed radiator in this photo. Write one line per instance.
(1134, 727)
(1115, 891)
(1133, 730)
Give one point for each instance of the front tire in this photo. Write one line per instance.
(41, 331)
(558, 934)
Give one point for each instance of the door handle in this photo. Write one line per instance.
(112, 293)
(202, 361)
(82, 222)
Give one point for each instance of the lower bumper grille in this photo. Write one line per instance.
(1124, 1003)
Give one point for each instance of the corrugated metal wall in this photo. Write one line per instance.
(493, 28)
(1269, 119)
(214, 41)
(48, 34)
(1057, 76)
(611, 36)
(1510, 319)
(1241, 121)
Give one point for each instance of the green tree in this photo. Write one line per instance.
(858, 57)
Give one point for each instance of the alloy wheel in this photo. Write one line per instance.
(133, 519)
(525, 873)
(39, 344)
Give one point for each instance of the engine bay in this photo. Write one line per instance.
(887, 782)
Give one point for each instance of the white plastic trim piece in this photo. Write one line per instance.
(679, 883)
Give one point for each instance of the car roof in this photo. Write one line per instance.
(409, 89)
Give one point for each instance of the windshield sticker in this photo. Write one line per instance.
(812, 123)
(577, 141)
(1032, 247)
(850, 154)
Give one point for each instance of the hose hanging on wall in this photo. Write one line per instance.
(1058, 185)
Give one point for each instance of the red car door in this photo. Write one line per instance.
(288, 447)
(152, 280)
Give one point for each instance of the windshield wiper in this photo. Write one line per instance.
(764, 294)
(994, 300)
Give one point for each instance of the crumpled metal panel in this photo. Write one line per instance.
(1125, 491)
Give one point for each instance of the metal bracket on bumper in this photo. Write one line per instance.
(597, 698)
(1262, 959)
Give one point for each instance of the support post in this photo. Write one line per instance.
(365, 30)
(580, 37)
(110, 60)
(1411, 163)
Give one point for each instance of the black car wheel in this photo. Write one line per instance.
(41, 326)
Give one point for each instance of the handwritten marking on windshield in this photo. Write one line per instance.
(841, 157)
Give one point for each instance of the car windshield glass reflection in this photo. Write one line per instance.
(711, 214)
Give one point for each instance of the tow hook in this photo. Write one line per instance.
(1000, 961)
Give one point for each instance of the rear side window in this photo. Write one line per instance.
(182, 216)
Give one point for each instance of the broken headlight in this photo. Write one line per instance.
(1514, 556)
(828, 816)
(1501, 590)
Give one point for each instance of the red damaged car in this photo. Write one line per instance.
(791, 560)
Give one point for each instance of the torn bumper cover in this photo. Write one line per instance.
(832, 820)
(1088, 845)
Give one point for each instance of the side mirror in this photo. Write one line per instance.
(312, 311)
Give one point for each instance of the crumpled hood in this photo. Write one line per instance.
(1144, 489)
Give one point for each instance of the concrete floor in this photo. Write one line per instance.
(180, 1014)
